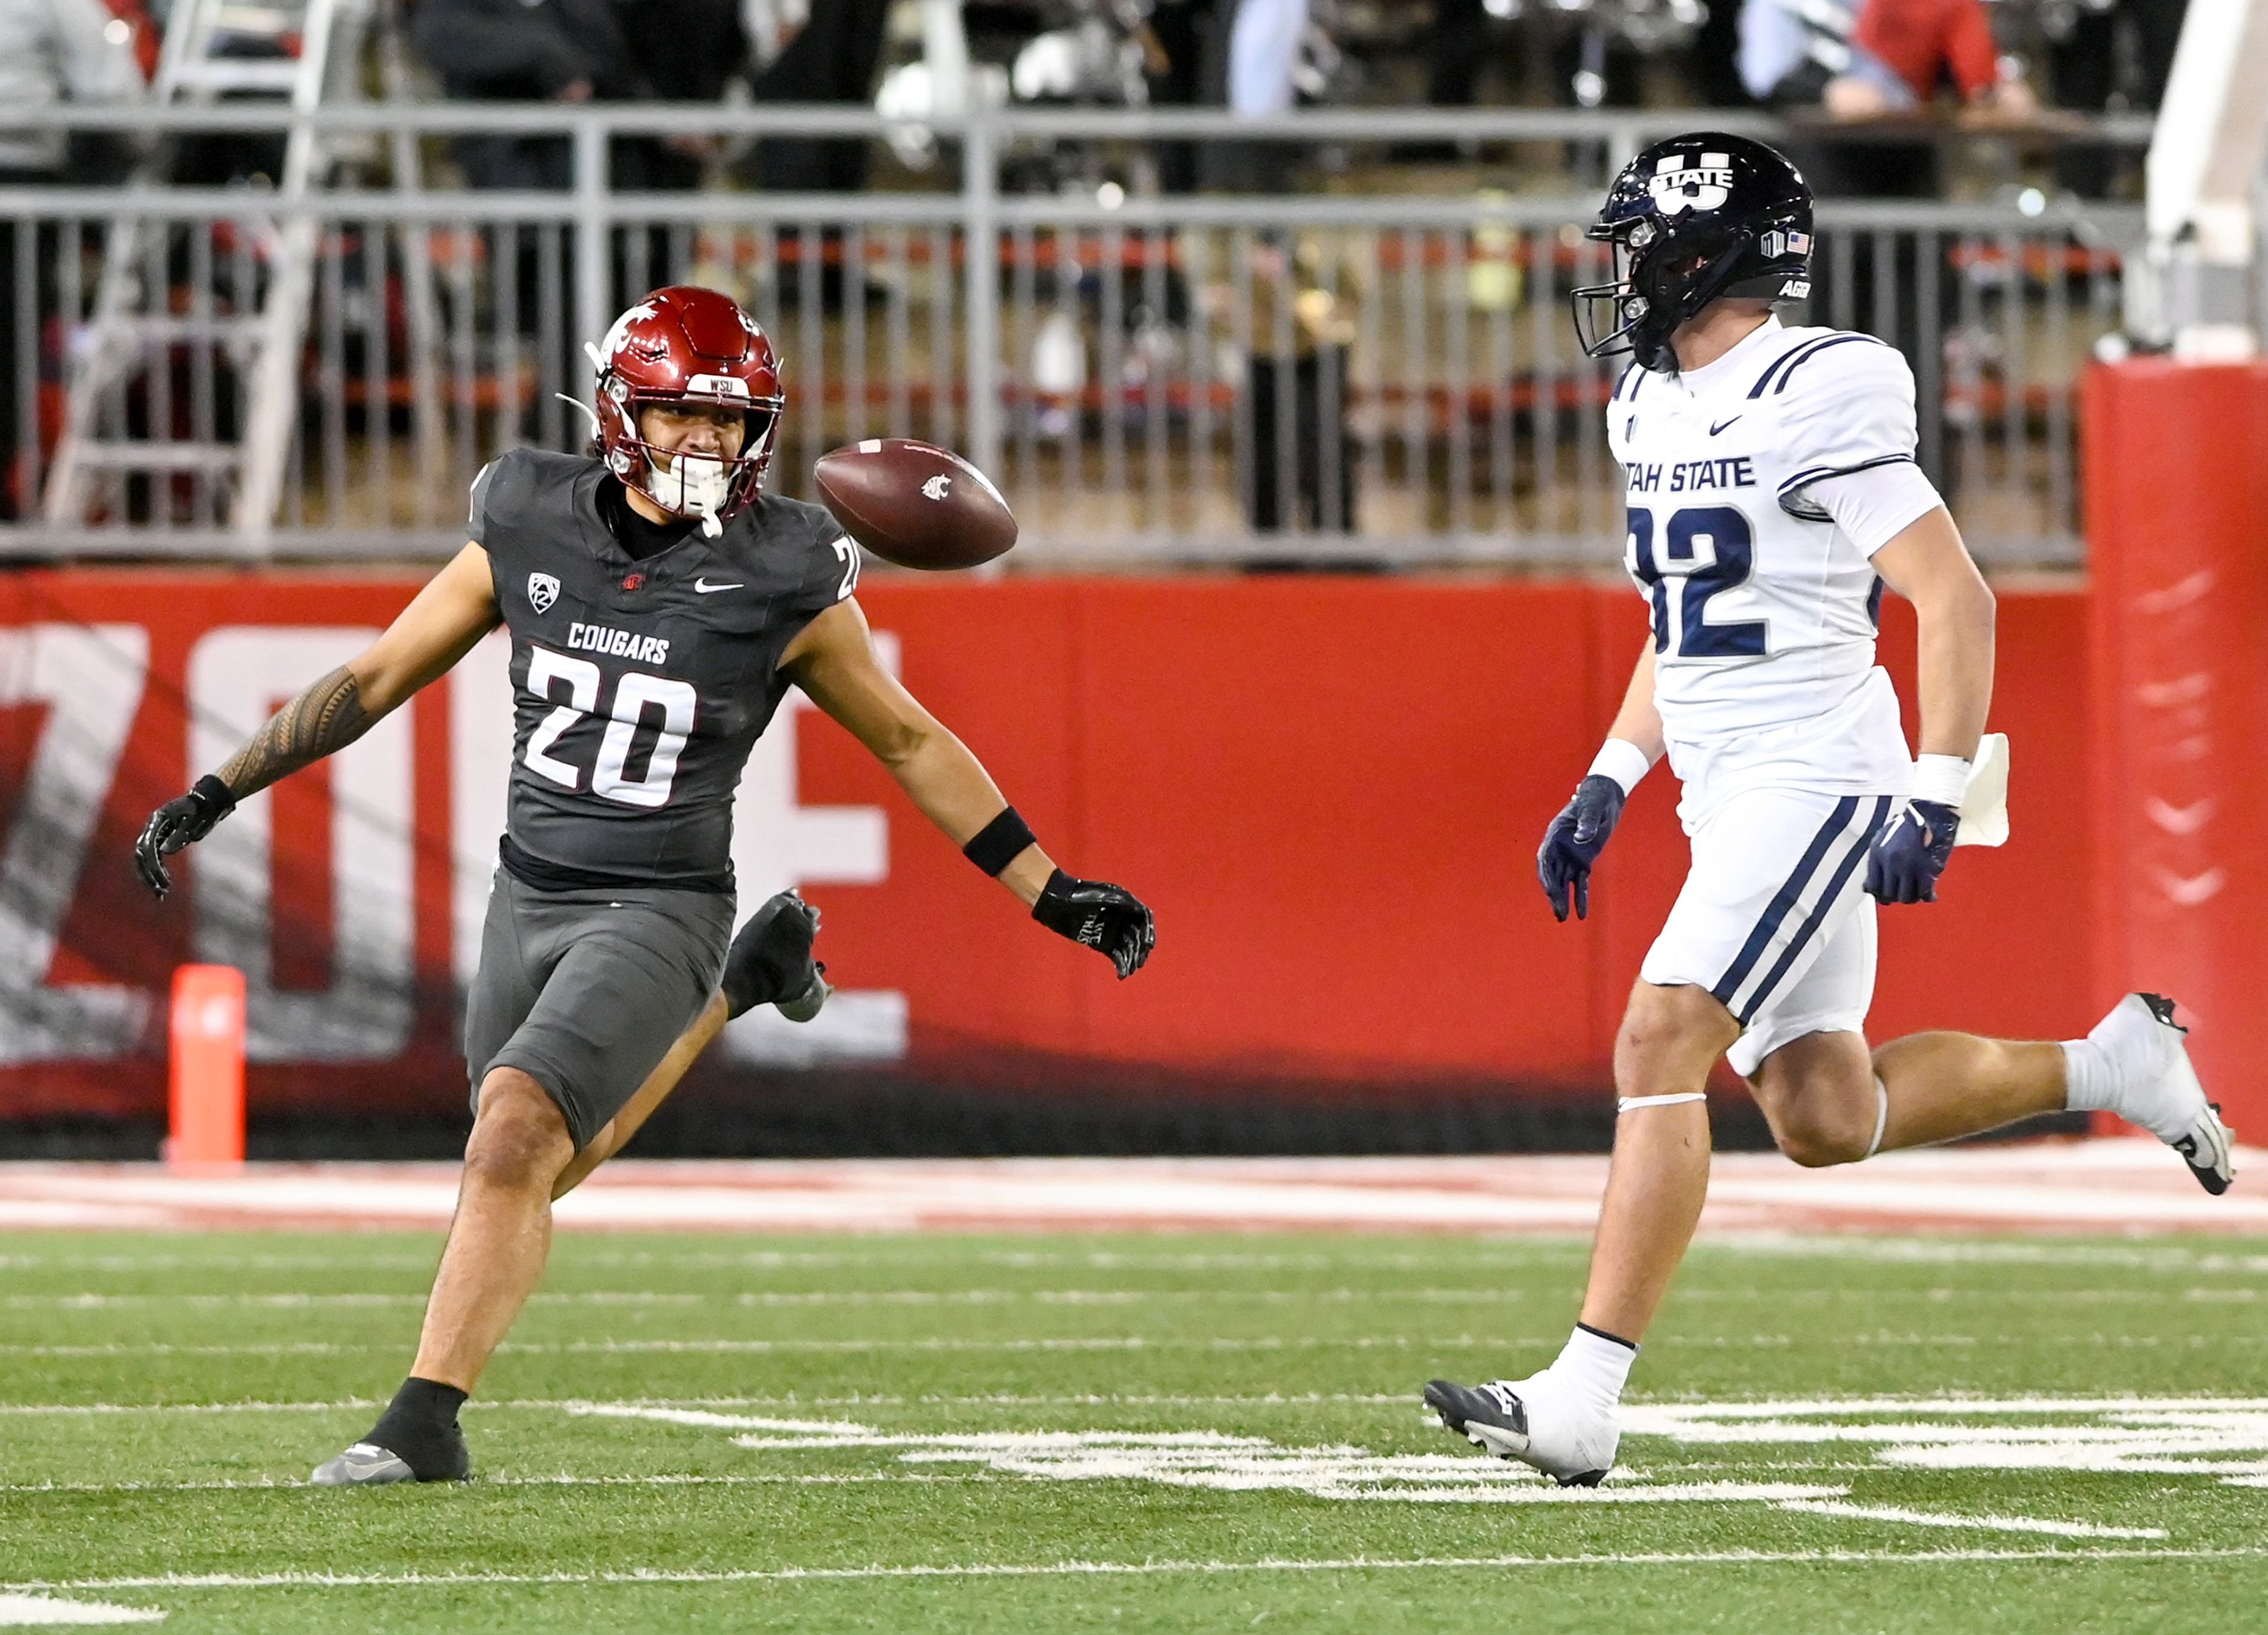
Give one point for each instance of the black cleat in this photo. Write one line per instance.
(771, 963)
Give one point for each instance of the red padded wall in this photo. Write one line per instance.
(1330, 787)
(2178, 554)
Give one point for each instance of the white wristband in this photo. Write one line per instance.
(1942, 778)
(1622, 760)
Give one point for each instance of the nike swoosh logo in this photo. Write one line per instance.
(1720, 426)
(703, 587)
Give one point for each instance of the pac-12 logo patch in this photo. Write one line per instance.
(1678, 185)
(937, 486)
(542, 592)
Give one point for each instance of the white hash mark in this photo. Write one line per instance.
(2227, 1439)
(47, 1611)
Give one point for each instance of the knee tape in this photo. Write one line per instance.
(1881, 1118)
(1630, 1103)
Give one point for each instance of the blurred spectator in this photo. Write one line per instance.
(56, 51)
(1185, 32)
(1924, 42)
(51, 51)
(1255, 75)
(2116, 55)
(1263, 53)
(1456, 51)
(1875, 57)
(1302, 330)
(525, 51)
(1713, 60)
(1790, 51)
(833, 58)
(685, 51)
(1871, 60)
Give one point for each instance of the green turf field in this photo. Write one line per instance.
(1162, 1433)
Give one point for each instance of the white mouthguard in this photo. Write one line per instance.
(701, 483)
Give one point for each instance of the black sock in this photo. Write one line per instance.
(419, 1426)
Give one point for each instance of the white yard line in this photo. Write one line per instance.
(21, 1610)
(994, 1399)
(1933, 1252)
(1987, 1523)
(758, 1348)
(1131, 1569)
(93, 1300)
(661, 1479)
(1784, 1407)
(90, 1300)
(167, 1348)
(1762, 1408)
(1494, 1343)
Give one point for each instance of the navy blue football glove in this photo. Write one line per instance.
(1911, 851)
(1573, 841)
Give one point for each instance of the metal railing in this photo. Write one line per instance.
(1310, 377)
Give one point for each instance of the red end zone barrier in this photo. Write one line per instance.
(1330, 788)
(2179, 563)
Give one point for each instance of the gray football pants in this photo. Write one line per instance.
(586, 991)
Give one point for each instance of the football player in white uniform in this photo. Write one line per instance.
(1772, 493)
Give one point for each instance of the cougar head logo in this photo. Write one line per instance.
(937, 486)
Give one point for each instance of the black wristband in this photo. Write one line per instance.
(215, 795)
(1000, 842)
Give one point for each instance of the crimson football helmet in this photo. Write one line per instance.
(685, 344)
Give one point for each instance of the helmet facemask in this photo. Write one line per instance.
(1663, 278)
(698, 485)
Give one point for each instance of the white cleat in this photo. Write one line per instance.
(2149, 1054)
(1539, 1420)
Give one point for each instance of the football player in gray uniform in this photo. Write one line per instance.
(659, 604)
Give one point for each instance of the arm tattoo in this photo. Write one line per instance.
(324, 719)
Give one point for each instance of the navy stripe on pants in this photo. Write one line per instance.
(1835, 883)
(1784, 901)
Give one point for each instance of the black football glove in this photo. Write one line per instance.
(1574, 842)
(1108, 919)
(1911, 851)
(175, 825)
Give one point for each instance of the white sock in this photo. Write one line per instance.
(1599, 1364)
(2089, 1083)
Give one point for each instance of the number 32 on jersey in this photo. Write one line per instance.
(1698, 553)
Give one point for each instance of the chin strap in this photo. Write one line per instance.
(589, 413)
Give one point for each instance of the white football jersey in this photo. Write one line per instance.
(1763, 611)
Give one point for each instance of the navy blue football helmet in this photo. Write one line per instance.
(1694, 219)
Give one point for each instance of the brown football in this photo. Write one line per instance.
(915, 504)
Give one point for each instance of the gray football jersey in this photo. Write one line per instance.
(639, 688)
